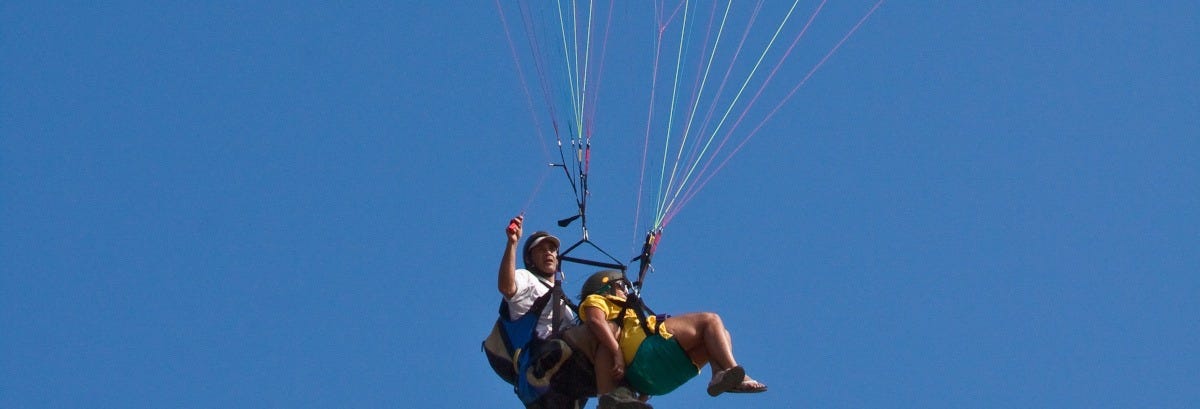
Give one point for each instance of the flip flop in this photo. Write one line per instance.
(748, 385)
(725, 380)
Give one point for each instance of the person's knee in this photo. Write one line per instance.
(711, 318)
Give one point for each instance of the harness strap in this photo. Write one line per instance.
(556, 296)
(633, 302)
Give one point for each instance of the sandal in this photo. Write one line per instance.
(748, 385)
(726, 380)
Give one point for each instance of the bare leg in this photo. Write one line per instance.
(604, 376)
(704, 337)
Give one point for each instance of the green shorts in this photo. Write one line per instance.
(659, 366)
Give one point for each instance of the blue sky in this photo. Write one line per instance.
(281, 204)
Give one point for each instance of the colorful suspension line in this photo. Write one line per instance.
(697, 143)
(574, 35)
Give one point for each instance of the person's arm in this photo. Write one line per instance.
(506, 281)
(597, 323)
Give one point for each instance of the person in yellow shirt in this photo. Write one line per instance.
(656, 363)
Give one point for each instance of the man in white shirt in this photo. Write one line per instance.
(521, 287)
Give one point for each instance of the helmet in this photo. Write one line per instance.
(533, 240)
(600, 282)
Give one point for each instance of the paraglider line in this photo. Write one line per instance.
(786, 98)
(524, 85)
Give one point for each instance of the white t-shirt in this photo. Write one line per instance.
(528, 290)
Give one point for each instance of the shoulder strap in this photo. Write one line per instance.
(557, 324)
(635, 303)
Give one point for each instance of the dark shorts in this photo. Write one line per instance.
(659, 366)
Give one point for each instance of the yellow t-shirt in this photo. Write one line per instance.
(632, 334)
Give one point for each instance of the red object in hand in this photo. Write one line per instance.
(512, 226)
